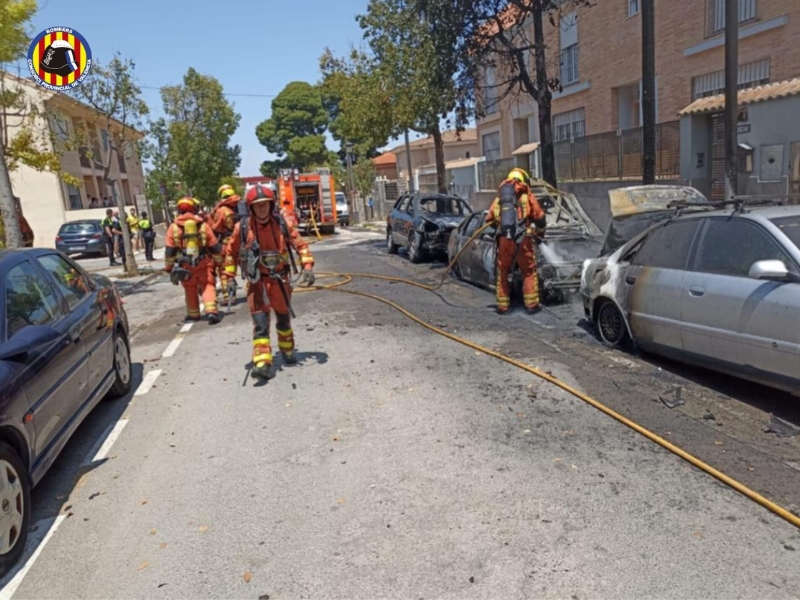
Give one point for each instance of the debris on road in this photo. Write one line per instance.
(673, 399)
(247, 576)
(781, 428)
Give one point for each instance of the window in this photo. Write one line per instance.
(731, 247)
(443, 206)
(474, 221)
(790, 226)
(569, 48)
(490, 100)
(569, 125)
(74, 198)
(29, 300)
(667, 247)
(70, 281)
(633, 7)
(716, 14)
(491, 145)
(402, 204)
(750, 75)
(104, 135)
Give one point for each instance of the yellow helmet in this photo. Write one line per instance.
(519, 174)
(187, 203)
(225, 191)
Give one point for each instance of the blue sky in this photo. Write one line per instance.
(251, 47)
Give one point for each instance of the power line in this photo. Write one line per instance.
(148, 87)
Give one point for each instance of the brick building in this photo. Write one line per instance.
(599, 65)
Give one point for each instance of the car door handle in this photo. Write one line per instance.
(630, 280)
(696, 291)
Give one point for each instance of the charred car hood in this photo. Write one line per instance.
(635, 209)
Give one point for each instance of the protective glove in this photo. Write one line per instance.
(179, 274)
(308, 277)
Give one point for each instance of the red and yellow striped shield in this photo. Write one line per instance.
(59, 58)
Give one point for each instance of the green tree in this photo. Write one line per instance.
(118, 112)
(295, 131)
(477, 37)
(15, 16)
(196, 133)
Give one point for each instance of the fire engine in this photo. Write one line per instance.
(308, 199)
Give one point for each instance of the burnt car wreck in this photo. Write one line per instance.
(423, 223)
(572, 237)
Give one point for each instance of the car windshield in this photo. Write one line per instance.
(790, 226)
(340, 199)
(78, 228)
(443, 206)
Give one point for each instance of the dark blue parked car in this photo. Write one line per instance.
(82, 237)
(63, 347)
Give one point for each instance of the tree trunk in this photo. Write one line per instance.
(545, 99)
(127, 247)
(8, 208)
(438, 148)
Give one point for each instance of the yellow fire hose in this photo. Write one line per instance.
(314, 223)
(653, 437)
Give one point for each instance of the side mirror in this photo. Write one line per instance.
(769, 270)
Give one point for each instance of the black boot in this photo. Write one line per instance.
(290, 358)
(262, 372)
(213, 318)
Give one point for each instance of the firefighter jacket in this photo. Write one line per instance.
(177, 245)
(223, 221)
(273, 246)
(529, 212)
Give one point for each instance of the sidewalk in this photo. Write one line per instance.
(149, 271)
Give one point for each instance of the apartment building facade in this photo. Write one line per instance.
(596, 53)
(457, 145)
(47, 201)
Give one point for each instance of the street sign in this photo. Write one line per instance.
(743, 128)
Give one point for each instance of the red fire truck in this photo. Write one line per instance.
(308, 199)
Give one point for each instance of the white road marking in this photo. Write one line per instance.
(173, 345)
(97, 444)
(147, 382)
(108, 441)
(38, 542)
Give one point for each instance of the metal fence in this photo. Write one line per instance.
(491, 173)
(618, 155)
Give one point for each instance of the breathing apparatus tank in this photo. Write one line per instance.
(191, 238)
(508, 211)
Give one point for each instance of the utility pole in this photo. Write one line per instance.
(731, 97)
(353, 203)
(649, 92)
(408, 164)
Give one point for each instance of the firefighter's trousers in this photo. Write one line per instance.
(526, 259)
(201, 283)
(262, 297)
(225, 277)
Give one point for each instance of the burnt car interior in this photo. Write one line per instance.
(440, 205)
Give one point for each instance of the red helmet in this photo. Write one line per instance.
(259, 193)
(188, 204)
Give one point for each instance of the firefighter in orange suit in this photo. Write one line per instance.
(222, 221)
(191, 257)
(520, 222)
(262, 243)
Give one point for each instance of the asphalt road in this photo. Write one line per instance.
(395, 463)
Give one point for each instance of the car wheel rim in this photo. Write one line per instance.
(611, 326)
(389, 239)
(414, 249)
(122, 361)
(12, 507)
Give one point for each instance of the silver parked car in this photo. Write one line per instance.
(718, 287)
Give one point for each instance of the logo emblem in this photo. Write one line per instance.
(59, 58)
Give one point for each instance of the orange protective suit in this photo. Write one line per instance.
(223, 221)
(533, 218)
(201, 280)
(265, 294)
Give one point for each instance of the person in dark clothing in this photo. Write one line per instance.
(108, 237)
(148, 235)
(118, 240)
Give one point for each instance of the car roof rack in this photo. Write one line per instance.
(739, 203)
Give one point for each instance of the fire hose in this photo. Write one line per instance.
(347, 278)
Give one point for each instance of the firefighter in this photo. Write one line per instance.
(195, 248)
(262, 243)
(222, 220)
(520, 223)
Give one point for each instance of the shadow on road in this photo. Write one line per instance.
(51, 498)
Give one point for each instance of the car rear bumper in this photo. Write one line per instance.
(91, 247)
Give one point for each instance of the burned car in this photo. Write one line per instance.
(571, 238)
(716, 285)
(423, 223)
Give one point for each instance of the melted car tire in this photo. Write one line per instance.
(418, 255)
(12, 557)
(611, 325)
(391, 247)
